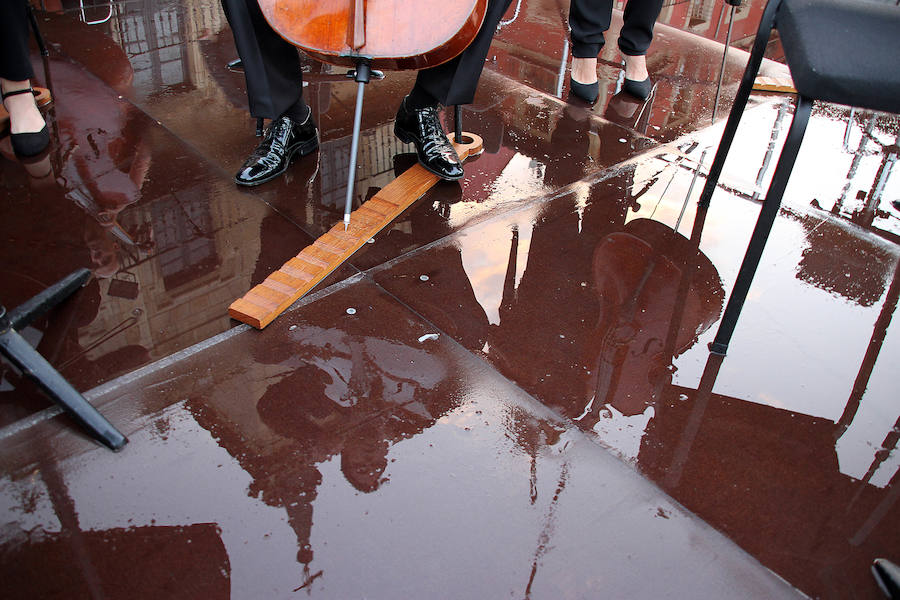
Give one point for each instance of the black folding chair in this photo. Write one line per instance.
(840, 51)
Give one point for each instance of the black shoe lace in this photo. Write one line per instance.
(433, 136)
(273, 139)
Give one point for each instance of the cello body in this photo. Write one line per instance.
(385, 33)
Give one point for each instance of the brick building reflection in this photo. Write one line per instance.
(67, 559)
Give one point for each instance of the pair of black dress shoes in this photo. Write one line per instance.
(589, 92)
(286, 138)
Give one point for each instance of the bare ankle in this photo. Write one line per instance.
(584, 70)
(24, 115)
(636, 67)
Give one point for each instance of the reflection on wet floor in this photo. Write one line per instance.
(505, 333)
(358, 454)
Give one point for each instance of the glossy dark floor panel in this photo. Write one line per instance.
(514, 337)
(546, 291)
(593, 304)
(286, 469)
(170, 241)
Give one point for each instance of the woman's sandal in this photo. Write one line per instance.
(28, 143)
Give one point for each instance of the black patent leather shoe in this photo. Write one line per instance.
(422, 127)
(284, 139)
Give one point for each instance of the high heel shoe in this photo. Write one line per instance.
(638, 89)
(27, 144)
(589, 92)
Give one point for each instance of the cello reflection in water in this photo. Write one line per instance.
(275, 91)
(636, 296)
(657, 294)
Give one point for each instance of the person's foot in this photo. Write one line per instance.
(29, 134)
(636, 68)
(422, 127)
(284, 139)
(18, 98)
(583, 82)
(584, 70)
(637, 79)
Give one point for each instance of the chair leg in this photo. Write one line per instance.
(21, 316)
(763, 34)
(37, 32)
(33, 365)
(767, 215)
(36, 367)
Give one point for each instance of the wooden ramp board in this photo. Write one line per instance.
(774, 84)
(314, 263)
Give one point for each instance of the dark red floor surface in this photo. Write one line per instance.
(520, 403)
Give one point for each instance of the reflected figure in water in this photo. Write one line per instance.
(72, 201)
(626, 110)
(342, 394)
(637, 295)
(657, 294)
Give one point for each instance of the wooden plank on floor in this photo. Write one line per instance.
(300, 274)
(783, 85)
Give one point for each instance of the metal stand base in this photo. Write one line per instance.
(33, 365)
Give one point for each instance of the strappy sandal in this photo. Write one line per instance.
(28, 143)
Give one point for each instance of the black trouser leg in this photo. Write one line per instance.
(15, 64)
(589, 20)
(271, 64)
(455, 81)
(637, 30)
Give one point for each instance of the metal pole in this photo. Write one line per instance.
(561, 76)
(734, 4)
(719, 24)
(690, 188)
(362, 77)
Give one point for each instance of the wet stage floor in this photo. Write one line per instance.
(521, 402)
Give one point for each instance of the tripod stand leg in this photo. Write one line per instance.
(34, 366)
